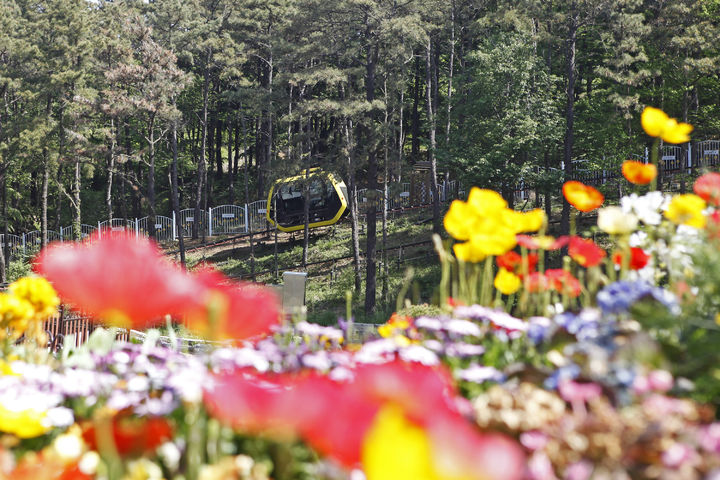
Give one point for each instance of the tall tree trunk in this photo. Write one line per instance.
(450, 73)
(202, 173)
(306, 196)
(370, 261)
(415, 145)
(352, 197)
(246, 163)
(45, 181)
(174, 187)
(266, 126)
(76, 200)
(218, 149)
(151, 178)
(431, 126)
(5, 250)
(233, 150)
(570, 70)
(111, 171)
(386, 173)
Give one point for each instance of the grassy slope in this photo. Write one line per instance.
(329, 282)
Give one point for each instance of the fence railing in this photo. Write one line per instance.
(220, 220)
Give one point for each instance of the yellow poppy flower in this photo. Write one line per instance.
(24, 423)
(657, 123)
(687, 210)
(395, 449)
(39, 293)
(507, 282)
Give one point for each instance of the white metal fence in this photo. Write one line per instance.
(221, 220)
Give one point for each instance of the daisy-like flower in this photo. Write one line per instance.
(646, 207)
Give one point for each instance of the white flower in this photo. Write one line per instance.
(416, 353)
(615, 221)
(647, 207)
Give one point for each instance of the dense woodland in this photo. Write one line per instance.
(133, 108)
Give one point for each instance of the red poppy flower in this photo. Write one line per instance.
(585, 252)
(638, 173)
(119, 279)
(708, 187)
(222, 309)
(132, 436)
(563, 282)
(583, 197)
(638, 258)
(513, 262)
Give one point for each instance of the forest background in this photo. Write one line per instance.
(132, 108)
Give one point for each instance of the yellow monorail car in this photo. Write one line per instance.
(328, 200)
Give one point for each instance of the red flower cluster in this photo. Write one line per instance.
(395, 406)
(708, 188)
(585, 251)
(638, 258)
(555, 279)
(513, 262)
(132, 436)
(127, 281)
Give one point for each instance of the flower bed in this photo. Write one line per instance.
(591, 355)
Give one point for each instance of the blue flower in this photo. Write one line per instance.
(618, 297)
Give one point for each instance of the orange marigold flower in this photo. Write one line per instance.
(657, 123)
(638, 258)
(585, 252)
(583, 197)
(708, 188)
(638, 173)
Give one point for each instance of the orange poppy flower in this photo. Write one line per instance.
(583, 197)
(585, 252)
(638, 173)
(708, 188)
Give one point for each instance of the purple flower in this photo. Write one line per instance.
(479, 373)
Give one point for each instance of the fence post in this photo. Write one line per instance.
(210, 222)
(61, 234)
(689, 158)
(174, 227)
(100, 230)
(247, 223)
(137, 229)
(23, 240)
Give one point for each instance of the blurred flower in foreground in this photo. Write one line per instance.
(230, 310)
(638, 258)
(126, 281)
(638, 173)
(121, 280)
(657, 123)
(583, 197)
(615, 221)
(585, 252)
(132, 436)
(687, 209)
(397, 419)
(507, 282)
(708, 188)
(38, 293)
(618, 297)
